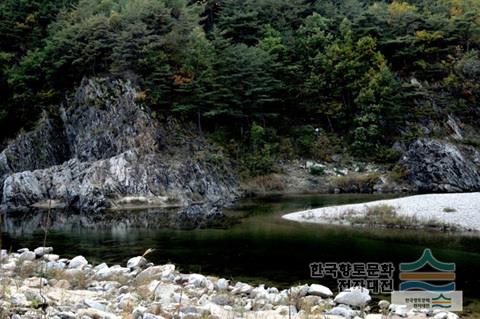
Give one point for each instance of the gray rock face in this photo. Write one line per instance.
(105, 148)
(438, 166)
(30, 151)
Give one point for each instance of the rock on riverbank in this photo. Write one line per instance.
(39, 283)
(105, 150)
(441, 166)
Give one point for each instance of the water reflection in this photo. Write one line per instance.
(119, 222)
(262, 247)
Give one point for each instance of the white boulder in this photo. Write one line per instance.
(319, 290)
(77, 263)
(399, 310)
(355, 296)
(197, 280)
(222, 284)
(241, 288)
(40, 251)
(136, 262)
(3, 254)
(342, 310)
(51, 257)
(155, 272)
(27, 255)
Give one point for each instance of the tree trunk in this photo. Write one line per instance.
(199, 121)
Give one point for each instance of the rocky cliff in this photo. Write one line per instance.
(104, 150)
(442, 166)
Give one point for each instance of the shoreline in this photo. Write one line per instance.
(39, 283)
(457, 210)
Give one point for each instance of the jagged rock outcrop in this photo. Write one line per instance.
(106, 147)
(440, 166)
(29, 151)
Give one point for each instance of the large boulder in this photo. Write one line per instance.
(105, 150)
(35, 150)
(354, 296)
(320, 290)
(439, 166)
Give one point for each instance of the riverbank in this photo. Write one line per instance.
(309, 177)
(38, 283)
(451, 211)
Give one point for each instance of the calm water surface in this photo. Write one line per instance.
(261, 247)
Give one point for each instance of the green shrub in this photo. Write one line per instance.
(387, 155)
(398, 174)
(471, 142)
(259, 163)
(304, 138)
(317, 171)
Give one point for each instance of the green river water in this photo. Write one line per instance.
(260, 248)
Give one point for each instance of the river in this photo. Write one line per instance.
(260, 248)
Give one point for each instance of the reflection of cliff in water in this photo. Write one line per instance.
(195, 216)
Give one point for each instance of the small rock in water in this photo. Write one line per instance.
(77, 263)
(319, 290)
(355, 296)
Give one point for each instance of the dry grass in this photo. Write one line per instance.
(386, 216)
(355, 182)
(265, 183)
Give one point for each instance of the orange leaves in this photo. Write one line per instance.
(183, 78)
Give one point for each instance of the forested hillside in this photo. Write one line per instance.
(267, 79)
